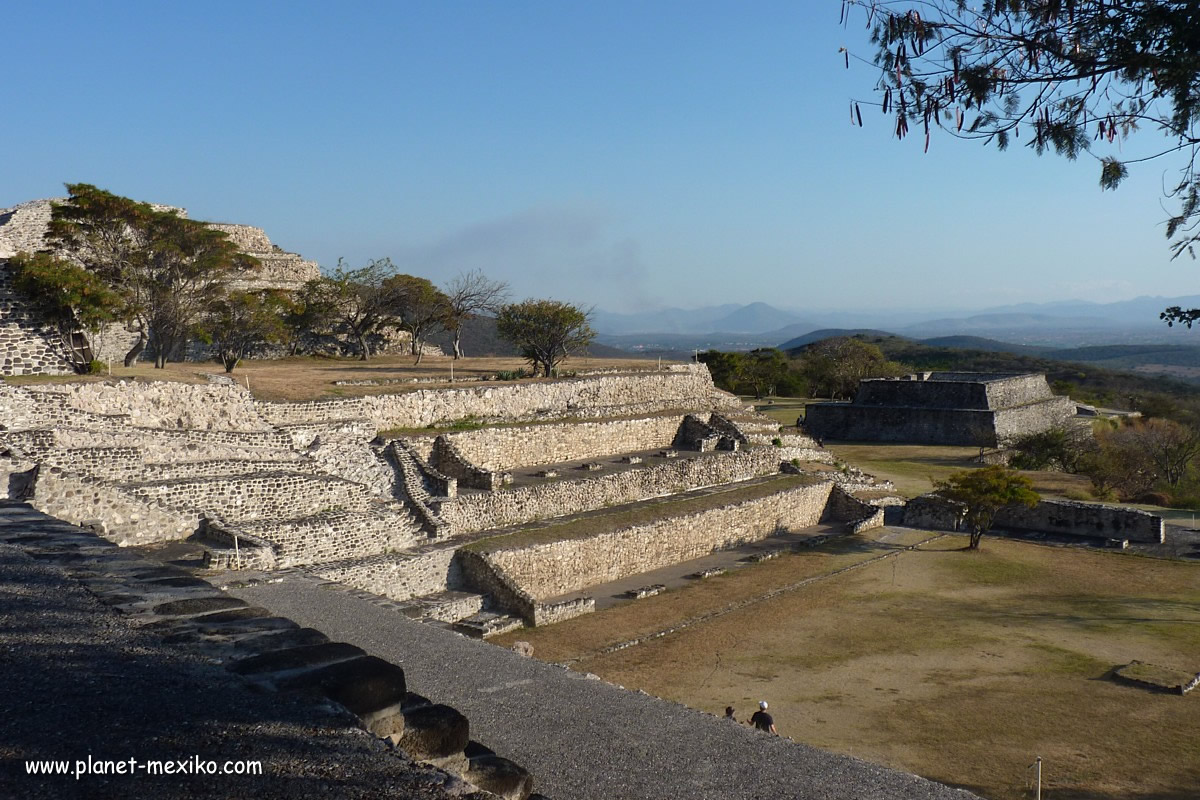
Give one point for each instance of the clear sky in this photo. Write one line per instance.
(624, 154)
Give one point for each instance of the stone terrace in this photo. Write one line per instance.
(308, 485)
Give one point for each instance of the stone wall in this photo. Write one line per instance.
(331, 535)
(161, 404)
(549, 569)
(964, 390)
(278, 495)
(504, 448)
(400, 576)
(559, 497)
(1011, 423)
(123, 517)
(27, 345)
(859, 515)
(968, 427)
(1048, 516)
(278, 268)
(604, 395)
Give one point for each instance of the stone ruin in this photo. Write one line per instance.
(310, 486)
(28, 346)
(976, 409)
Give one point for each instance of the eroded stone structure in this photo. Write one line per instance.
(953, 408)
(30, 347)
(1093, 520)
(311, 486)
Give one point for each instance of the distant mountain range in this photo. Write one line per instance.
(1069, 323)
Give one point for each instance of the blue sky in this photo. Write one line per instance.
(622, 154)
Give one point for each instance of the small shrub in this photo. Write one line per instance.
(96, 367)
(1153, 499)
(777, 442)
(795, 462)
(511, 374)
(1077, 494)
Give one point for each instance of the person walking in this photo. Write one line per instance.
(762, 720)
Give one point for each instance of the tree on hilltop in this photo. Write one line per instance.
(418, 307)
(67, 296)
(468, 295)
(242, 322)
(1068, 76)
(165, 268)
(545, 331)
(984, 493)
(356, 300)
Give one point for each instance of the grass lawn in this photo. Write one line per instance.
(960, 666)
(310, 378)
(914, 468)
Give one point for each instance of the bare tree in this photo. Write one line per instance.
(469, 294)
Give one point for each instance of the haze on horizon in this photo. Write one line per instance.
(622, 155)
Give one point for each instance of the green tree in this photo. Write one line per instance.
(242, 322)
(1061, 447)
(1170, 446)
(833, 367)
(468, 295)
(545, 331)
(764, 369)
(727, 369)
(67, 296)
(108, 235)
(167, 269)
(1071, 76)
(418, 306)
(179, 278)
(984, 493)
(356, 302)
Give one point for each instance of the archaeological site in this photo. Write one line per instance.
(360, 551)
(957, 408)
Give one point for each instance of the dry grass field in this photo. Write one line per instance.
(311, 378)
(959, 666)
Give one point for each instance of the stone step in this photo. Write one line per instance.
(448, 606)
(483, 624)
(331, 535)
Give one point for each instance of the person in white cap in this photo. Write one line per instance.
(762, 720)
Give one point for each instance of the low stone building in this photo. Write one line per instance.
(954, 408)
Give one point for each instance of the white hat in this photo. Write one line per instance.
(762, 704)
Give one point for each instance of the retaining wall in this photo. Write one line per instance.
(498, 449)
(401, 576)
(271, 495)
(559, 497)
(549, 569)
(332, 536)
(1048, 516)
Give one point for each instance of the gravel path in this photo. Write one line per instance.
(582, 738)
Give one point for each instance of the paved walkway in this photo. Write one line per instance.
(581, 738)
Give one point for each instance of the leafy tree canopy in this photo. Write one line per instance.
(546, 331)
(984, 492)
(1070, 76)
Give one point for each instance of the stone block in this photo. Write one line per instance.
(434, 731)
(193, 606)
(294, 658)
(368, 687)
(501, 777)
